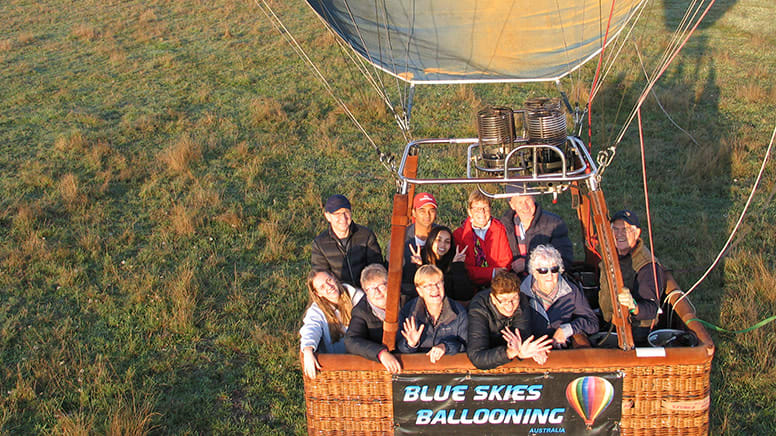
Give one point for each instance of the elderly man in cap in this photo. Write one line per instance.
(424, 213)
(345, 248)
(640, 274)
(528, 226)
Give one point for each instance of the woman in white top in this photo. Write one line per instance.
(326, 319)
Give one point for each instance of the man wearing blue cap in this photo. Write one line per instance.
(639, 270)
(345, 248)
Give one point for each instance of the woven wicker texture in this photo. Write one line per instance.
(360, 402)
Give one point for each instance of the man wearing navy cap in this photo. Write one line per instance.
(638, 276)
(345, 248)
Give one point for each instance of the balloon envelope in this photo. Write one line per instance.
(443, 41)
(589, 396)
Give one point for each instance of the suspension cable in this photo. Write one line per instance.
(649, 218)
(385, 159)
(738, 223)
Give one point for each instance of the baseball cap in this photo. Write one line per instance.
(422, 199)
(627, 216)
(336, 202)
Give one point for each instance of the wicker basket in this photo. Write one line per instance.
(661, 395)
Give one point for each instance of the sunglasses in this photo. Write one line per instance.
(544, 271)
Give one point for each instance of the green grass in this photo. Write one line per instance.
(163, 168)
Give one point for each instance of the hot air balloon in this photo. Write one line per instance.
(589, 396)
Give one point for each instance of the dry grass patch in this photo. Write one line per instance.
(180, 155)
(74, 142)
(711, 158)
(68, 189)
(84, 32)
(74, 424)
(182, 294)
(147, 16)
(752, 92)
(182, 220)
(25, 218)
(232, 218)
(275, 238)
(25, 38)
(117, 57)
(6, 45)
(131, 421)
(266, 110)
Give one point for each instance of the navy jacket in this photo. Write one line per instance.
(569, 311)
(546, 229)
(451, 328)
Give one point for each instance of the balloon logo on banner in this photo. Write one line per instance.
(589, 396)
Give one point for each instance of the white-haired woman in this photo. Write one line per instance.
(560, 302)
(327, 318)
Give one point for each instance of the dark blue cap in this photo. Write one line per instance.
(627, 216)
(336, 202)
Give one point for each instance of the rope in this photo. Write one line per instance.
(595, 79)
(649, 218)
(735, 332)
(679, 39)
(385, 159)
(738, 223)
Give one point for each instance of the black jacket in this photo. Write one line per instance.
(486, 347)
(546, 228)
(365, 332)
(346, 258)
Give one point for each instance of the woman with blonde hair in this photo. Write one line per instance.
(327, 318)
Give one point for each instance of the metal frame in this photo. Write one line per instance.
(582, 179)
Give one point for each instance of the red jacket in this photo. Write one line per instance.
(496, 248)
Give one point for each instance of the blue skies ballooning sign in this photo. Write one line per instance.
(514, 404)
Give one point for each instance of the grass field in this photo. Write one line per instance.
(162, 171)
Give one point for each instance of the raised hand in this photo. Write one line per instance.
(537, 349)
(411, 332)
(415, 256)
(460, 255)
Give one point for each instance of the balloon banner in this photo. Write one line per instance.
(514, 404)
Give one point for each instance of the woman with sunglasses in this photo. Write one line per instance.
(432, 323)
(327, 318)
(442, 252)
(560, 303)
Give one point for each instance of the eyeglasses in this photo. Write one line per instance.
(430, 286)
(544, 271)
(514, 301)
(381, 287)
(485, 209)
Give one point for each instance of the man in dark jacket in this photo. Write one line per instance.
(503, 326)
(640, 274)
(365, 331)
(345, 248)
(528, 226)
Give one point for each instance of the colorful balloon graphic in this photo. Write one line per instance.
(589, 396)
